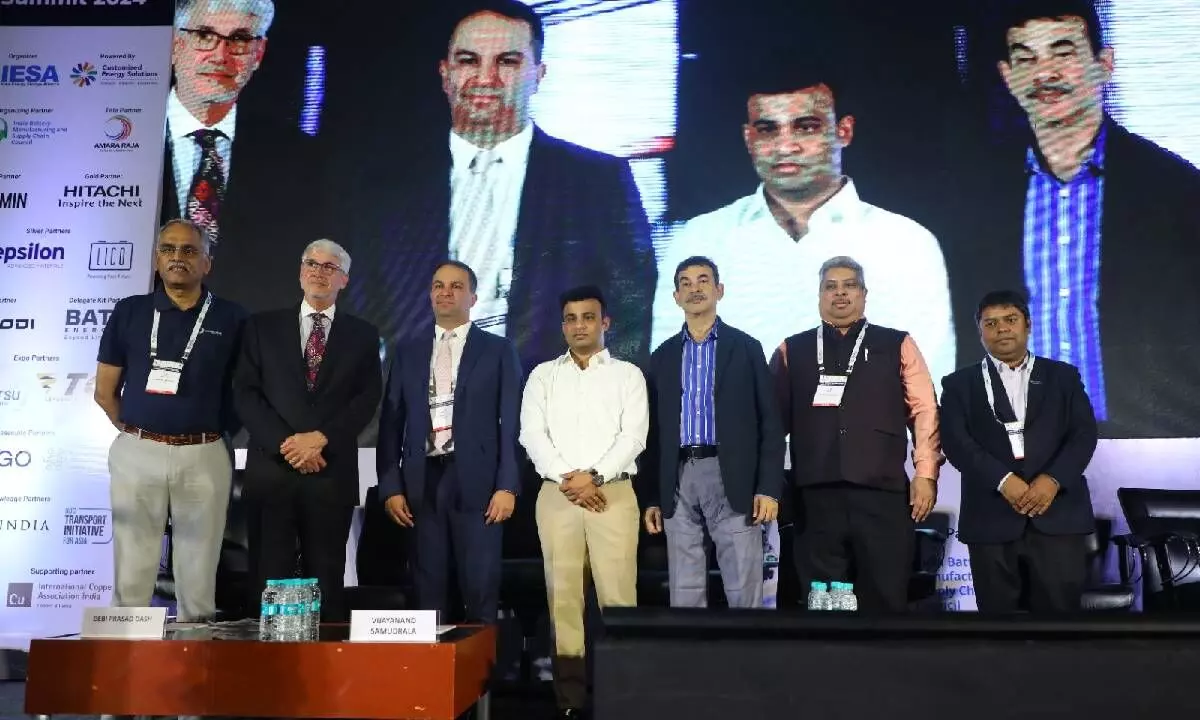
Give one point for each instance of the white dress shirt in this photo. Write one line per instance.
(306, 322)
(905, 274)
(185, 151)
(489, 255)
(583, 419)
(458, 341)
(1015, 382)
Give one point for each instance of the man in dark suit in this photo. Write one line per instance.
(715, 453)
(1085, 215)
(446, 456)
(529, 212)
(1021, 431)
(307, 382)
(246, 177)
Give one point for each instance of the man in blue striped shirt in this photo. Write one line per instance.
(715, 454)
(1109, 222)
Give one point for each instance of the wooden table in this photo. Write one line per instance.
(196, 672)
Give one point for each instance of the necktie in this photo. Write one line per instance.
(477, 241)
(443, 384)
(314, 349)
(208, 186)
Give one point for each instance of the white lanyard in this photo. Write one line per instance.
(991, 395)
(187, 351)
(853, 354)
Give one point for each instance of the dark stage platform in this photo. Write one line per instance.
(656, 663)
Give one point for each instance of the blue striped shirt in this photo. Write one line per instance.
(698, 376)
(1062, 266)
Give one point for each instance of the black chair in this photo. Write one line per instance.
(1098, 595)
(381, 562)
(1164, 530)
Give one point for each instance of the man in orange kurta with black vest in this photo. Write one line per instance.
(850, 392)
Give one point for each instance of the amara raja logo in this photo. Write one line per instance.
(118, 130)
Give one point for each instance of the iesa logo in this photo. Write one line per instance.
(24, 75)
(87, 526)
(19, 595)
(118, 130)
(15, 458)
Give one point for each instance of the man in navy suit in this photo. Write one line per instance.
(446, 456)
(1081, 213)
(715, 453)
(529, 212)
(1021, 430)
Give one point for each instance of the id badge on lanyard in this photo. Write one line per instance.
(831, 388)
(441, 411)
(165, 375)
(1014, 430)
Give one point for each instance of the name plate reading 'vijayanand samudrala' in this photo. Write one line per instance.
(419, 626)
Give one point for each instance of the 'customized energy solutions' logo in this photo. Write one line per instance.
(83, 74)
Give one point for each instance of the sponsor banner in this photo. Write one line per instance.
(81, 116)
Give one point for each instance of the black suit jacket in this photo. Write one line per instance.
(273, 400)
(1060, 437)
(487, 409)
(749, 433)
(274, 206)
(1150, 230)
(581, 222)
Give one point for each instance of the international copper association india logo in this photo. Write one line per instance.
(19, 595)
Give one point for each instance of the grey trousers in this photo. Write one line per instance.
(701, 508)
(193, 481)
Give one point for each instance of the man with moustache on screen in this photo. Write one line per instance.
(805, 210)
(528, 211)
(1089, 218)
(244, 177)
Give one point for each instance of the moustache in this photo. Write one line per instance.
(696, 296)
(177, 266)
(1050, 87)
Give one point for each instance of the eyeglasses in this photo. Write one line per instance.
(239, 43)
(323, 268)
(168, 250)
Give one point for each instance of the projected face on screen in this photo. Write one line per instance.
(795, 141)
(218, 46)
(1053, 72)
(490, 75)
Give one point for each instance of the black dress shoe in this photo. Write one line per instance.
(570, 714)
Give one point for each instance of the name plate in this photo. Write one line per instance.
(124, 623)
(416, 626)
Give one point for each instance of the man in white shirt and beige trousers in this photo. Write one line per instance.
(584, 420)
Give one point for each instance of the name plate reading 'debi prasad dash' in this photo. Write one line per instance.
(124, 623)
(418, 626)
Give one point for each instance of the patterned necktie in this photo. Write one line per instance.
(443, 383)
(477, 243)
(314, 349)
(208, 186)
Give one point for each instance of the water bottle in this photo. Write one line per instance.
(849, 599)
(314, 609)
(269, 612)
(835, 595)
(291, 613)
(817, 596)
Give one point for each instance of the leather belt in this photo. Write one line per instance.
(697, 452)
(190, 439)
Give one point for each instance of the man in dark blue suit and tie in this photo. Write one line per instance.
(529, 212)
(447, 448)
(1021, 430)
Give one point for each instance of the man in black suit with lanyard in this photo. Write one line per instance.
(1021, 431)
(307, 382)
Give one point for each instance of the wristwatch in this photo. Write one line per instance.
(597, 478)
